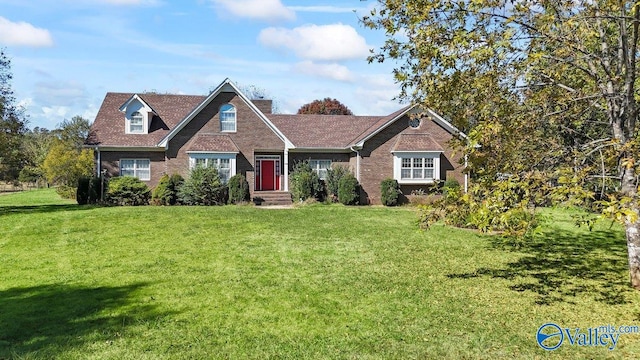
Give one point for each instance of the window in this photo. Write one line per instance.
(136, 123)
(320, 167)
(227, 118)
(140, 168)
(225, 163)
(417, 168)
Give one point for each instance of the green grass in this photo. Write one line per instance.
(313, 282)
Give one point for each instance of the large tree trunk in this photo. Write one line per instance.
(632, 225)
(633, 247)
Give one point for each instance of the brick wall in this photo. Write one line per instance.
(110, 160)
(376, 163)
(252, 136)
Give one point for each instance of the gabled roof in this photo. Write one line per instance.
(108, 129)
(136, 97)
(212, 143)
(226, 86)
(322, 131)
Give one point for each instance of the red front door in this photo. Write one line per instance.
(268, 175)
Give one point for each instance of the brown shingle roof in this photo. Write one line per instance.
(109, 127)
(381, 122)
(416, 142)
(322, 131)
(213, 143)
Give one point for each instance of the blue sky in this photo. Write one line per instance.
(66, 54)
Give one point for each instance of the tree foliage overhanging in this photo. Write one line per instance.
(545, 90)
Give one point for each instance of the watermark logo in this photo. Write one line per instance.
(551, 336)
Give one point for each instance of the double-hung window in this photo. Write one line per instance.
(225, 163)
(417, 168)
(140, 168)
(136, 123)
(320, 167)
(227, 118)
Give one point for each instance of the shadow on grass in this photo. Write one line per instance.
(35, 209)
(49, 320)
(560, 265)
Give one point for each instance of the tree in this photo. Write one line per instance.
(512, 68)
(35, 147)
(12, 124)
(73, 132)
(64, 165)
(327, 106)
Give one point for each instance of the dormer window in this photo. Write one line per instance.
(136, 123)
(227, 118)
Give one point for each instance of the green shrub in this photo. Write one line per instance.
(203, 187)
(305, 183)
(450, 185)
(127, 190)
(82, 192)
(390, 192)
(238, 189)
(95, 185)
(166, 192)
(333, 179)
(348, 190)
(66, 192)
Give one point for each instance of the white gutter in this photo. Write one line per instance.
(357, 149)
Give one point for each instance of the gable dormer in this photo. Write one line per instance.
(137, 115)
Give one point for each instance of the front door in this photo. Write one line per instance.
(267, 177)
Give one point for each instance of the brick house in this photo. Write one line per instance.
(149, 135)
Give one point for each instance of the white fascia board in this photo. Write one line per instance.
(445, 124)
(136, 97)
(213, 152)
(227, 84)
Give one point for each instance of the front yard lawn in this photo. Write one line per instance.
(312, 282)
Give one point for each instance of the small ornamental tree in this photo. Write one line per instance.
(390, 192)
(305, 183)
(334, 174)
(203, 187)
(327, 106)
(238, 189)
(349, 190)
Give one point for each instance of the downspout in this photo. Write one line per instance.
(356, 149)
(99, 162)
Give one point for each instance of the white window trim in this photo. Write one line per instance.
(212, 155)
(317, 167)
(397, 166)
(130, 123)
(235, 118)
(135, 168)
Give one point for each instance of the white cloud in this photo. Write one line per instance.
(333, 42)
(266, 10)
(331, 71)
(23, 34)
(326, 9)
(130, 2)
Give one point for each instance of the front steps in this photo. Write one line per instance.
(267, 198)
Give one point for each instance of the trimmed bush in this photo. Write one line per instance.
(166, 193)
(94, 190)
(238, 189)
(127, 191)
(390, 192)
(82, 192)
(305, 183)
(348, 190)
(333, 178)
(203, 187)
(66, 192)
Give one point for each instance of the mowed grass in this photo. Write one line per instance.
(312, 282)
